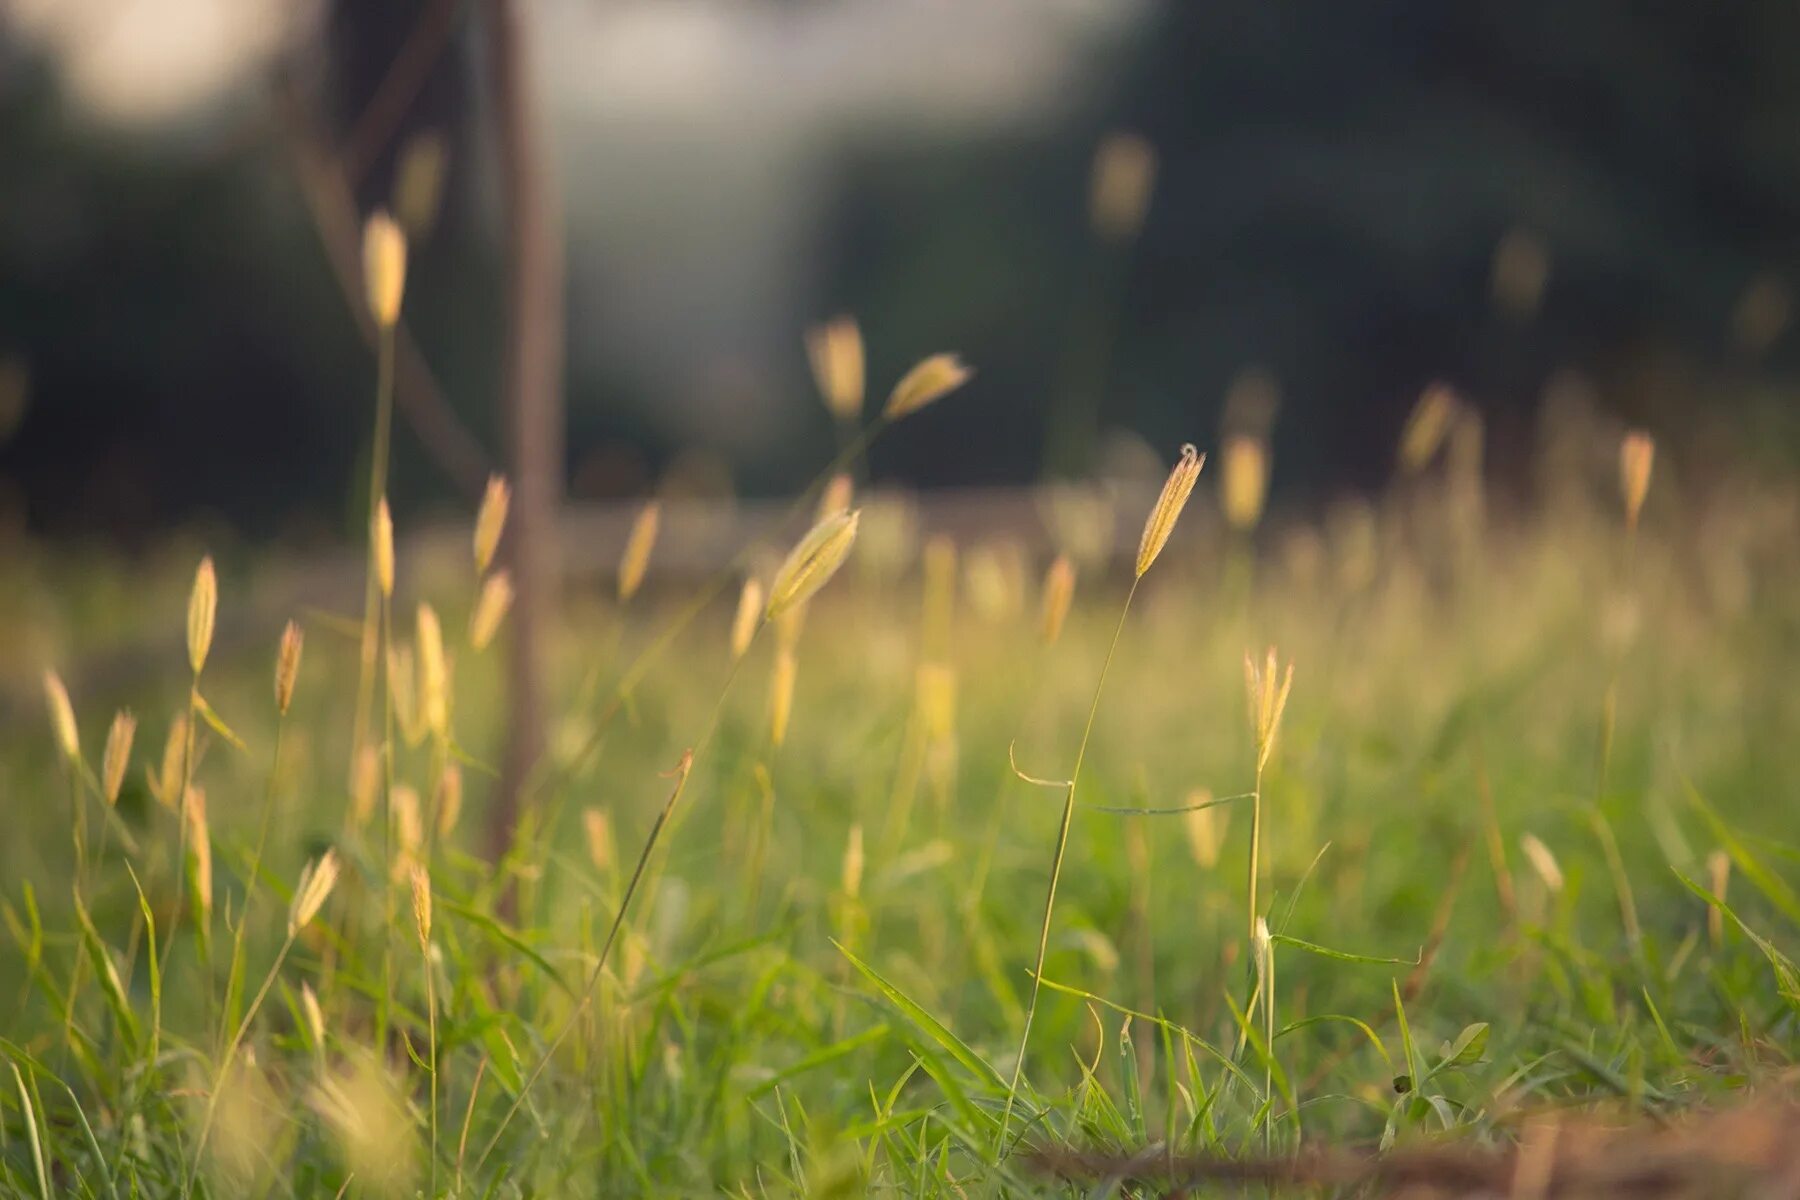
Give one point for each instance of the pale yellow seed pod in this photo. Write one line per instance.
(420, 879)
(365, 784)
(1246, 481)
(1175, 492)
(384, 268)
(1542, 861)
(1426, 427)
(449, 799)
(62, 716)
(165, 785)
(835, 352)
(287, 665)
(636, 559)
(1059, 594)
(118, 755)
(382, 539)
(434, 673)
(1268, 700)
(315, 1016)
(317, 879)
(853, 862)
(1637, 455)
(781, 694)
(200, 847)
(749, 616)
(598, 828)
(837, 496)
(1124, 176)
(1205, 828)
(491, 607)
(203, 609)
(931, 380)
(812, 563)
(490, 521)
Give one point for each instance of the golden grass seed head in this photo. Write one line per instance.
(409, 828)
(365, 784)
(1260, 945)
(1637, 455)
(835, 352)
(62, 716)
(1542, 861)
(381, 537)
(1122, 181)
(852, 876)
(1059, 594)
(317, 879)
(118, 754)
(781, 694)
(1427, 426)
(287, 665)
(749, 616)
(203, 609)
(812, 563)
(1246, 481)
(384, 268)
(449, 799)
(1205, 828)
(638, 545)
(931, 380)
(1175, 492)
(403, 691)
(1268, 700)
(420, 880)
(837, 496)
(165, 784)
(491, 607)
(434, 673)
(490, 521)
(598, 828)
(199, 847)
(315, 1016)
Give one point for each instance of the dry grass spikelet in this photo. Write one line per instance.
(287, 665)
(490, 520)
(1637, 455)
(420, 879)
(384, 268)
(1205, 828)
(199, 847)
(812, 563)
(598, 828)
(165, 782)
(403, 691)
(434, 673)
(1268, 699)
(1246, 481)
(638, 545)
(409, 827)
(1175, 492)
(1542, 861)
(748, 617)
(781, 694)
(1123, 178)
(931, 380)
(382, 538)
(835, 352)
(62, 716)
(449, 799)
(317, 879)
(1059, 594)
(1427, 426)
(203, 609)
(315, 1016)
(365, 784)
(118, 754)
(491, 607)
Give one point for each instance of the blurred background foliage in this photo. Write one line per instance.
(1349, 202)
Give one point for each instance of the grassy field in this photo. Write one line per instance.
(1524, 751)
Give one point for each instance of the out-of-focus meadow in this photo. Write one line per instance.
(1340, 744)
